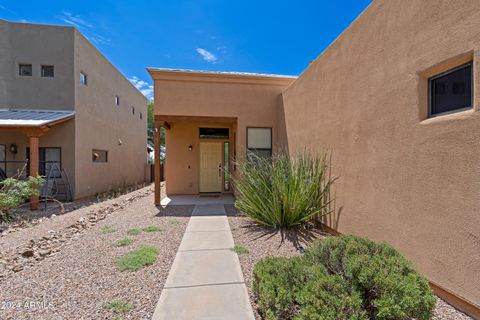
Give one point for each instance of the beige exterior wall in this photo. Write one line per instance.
(37, 45)
(101, 124)
(411, 181)
(252, 100)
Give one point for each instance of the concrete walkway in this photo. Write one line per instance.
(205, 281)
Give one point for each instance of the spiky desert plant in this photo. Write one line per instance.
(284, 191)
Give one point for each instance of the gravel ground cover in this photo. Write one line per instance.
(262, 243)
(82, 278)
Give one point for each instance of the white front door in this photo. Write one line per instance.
(210, 167)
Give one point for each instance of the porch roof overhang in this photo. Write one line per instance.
(165, 120)
(11, 118)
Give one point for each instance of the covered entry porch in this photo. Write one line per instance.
(21, 154)
(200, 154)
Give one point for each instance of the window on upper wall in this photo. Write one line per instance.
(99, 155)
(451, 91)
(259, 141)
(133, 110)
(25, 70)
(47, 71)
(117, 100)
(83, 79)
(141, 116)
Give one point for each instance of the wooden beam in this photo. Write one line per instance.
(34, 159)
(156, 139)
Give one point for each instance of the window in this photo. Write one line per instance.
(50, 162)
(259, 141)
(83, 79)
(214, 133)
(451, 90)
(226, 165)
(25, 70)
(117, 100)
(47, 72)
(3, 163)
(133, 110)
(99, 155)
(141, 116)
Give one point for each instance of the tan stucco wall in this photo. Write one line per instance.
(412, 182)
(253, 102)
(37, 45)
(100, 124)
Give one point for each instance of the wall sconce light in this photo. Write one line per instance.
(120, 142)
(13, 148)
(190, 148)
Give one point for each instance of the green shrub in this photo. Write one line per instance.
(14, 192)
(390, 286)
(119, 306)
(133, 232)
(151, 229)
(284, 192)
(108, 229)
(343, 277)
(137, 259)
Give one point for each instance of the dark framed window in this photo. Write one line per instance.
(25, 70)
(214, 133)
(50, 162)
(451, 91)
(3, 163)
(117, 100)
(99, 155)
(259, 141)
(47, 71)
(83, 79)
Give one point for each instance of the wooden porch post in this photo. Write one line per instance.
(157, 163)
(34, 158)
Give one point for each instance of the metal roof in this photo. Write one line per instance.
(32, 118)
(226, 73)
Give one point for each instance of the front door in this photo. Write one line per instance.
(210, 167)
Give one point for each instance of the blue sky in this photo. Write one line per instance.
(250, 36)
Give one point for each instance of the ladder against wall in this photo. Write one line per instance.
(57, 185)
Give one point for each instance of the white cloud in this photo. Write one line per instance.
(207, 55)
(144, 87)
(74, 20)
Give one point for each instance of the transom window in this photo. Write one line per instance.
(25, 70)
(214, 133)
(259, 141)
(47, 71)
(451, 91)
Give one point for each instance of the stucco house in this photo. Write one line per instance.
(68, 111)
(395, 98)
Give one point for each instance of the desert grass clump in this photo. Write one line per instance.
(239, 249)
(133, 232)
(124, 242)
(151, 229)
(119, 306)
(138, 259)
(284, 191)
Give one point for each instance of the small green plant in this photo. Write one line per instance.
(119, 306)
(175, 222)
(14, 192)
(284, 191)
(239, 249)
(151, 229)
(133, 232)
(343, 278)
(137, 259)
(108, 229)
(124, 242)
